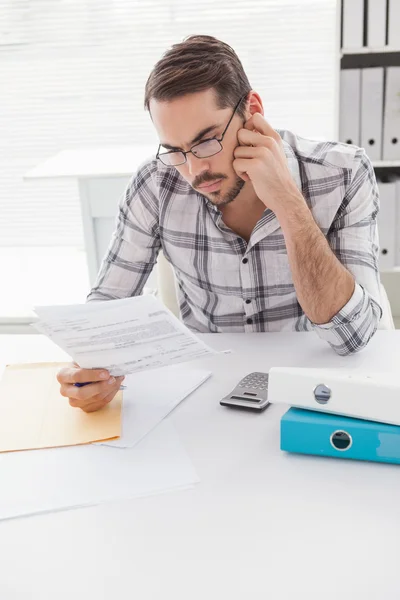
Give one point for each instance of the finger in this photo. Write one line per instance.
(259, 123)
(254, 138)
(241, 166)
(249, 151)
(83, 394)
(79, 397)
(95, 406)
(98, 405)
(78, 375)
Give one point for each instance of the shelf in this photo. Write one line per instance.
(391, 272)
(362, 59)
(365, 50)
(386, 164)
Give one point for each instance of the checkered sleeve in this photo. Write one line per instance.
(135, 242)
(353, 237)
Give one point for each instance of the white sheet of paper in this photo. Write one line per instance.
(123, 336)
(39, 481)
(150, 397)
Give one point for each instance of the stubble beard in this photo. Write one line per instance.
(230, 196)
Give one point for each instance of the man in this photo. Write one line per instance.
(265, 231)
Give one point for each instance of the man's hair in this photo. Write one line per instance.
(199, 63)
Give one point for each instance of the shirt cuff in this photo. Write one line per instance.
(350, 311)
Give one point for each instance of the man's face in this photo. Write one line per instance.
(185, 121)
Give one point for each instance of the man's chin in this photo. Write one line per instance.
(222, 199)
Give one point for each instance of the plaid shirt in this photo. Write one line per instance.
(228, 285)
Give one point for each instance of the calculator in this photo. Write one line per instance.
(251, 393)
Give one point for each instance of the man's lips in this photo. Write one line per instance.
(209, 185)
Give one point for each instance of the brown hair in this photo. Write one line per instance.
(198, 63)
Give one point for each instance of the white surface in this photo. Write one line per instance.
(261, 524)
(387, 224)
(350, 106)
(363, 395)
(26, 281)
(150, 397)
(39, 481)
(391, 123)
(376, 27)
(387, 321)
(372, 111)
(95, 161)
(391, 281)
(394, 20)
(353, 23)
(366, 50)
(386, 163)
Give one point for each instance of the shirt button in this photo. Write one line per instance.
(248, 301)
(245, 260)
(249, 321)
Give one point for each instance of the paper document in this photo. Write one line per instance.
(33, 414)
(61, 478)
(150, 397)
(123, 336)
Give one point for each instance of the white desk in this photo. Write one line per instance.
(102, 175)
(261, 524)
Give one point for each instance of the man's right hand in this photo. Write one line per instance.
(89, 397)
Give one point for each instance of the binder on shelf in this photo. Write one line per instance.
(375, 397)
(353, 23)
(350, 104)
(308, 432)
(387, 225)
(391, 125)
(376, 24)
(372, 111)
(394, 24)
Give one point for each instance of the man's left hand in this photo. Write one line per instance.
(261, 159)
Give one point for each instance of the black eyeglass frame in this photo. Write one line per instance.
(190, 151)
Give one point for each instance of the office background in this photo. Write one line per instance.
(369, 115)
(72, 75)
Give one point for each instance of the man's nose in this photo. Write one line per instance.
(195, 165)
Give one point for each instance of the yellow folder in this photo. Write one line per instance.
(33, 414)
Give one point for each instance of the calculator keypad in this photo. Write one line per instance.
(256, 381)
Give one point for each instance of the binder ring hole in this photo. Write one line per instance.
(394, 140)
(322, 393)
(384, 251)
(371, 142)
(341, 440)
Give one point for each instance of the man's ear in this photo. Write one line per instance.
(254, 104)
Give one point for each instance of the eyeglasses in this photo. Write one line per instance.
(204, 149)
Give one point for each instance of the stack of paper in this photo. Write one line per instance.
(34, 415)
(149, 399)
(47, 480)
(123, 336)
